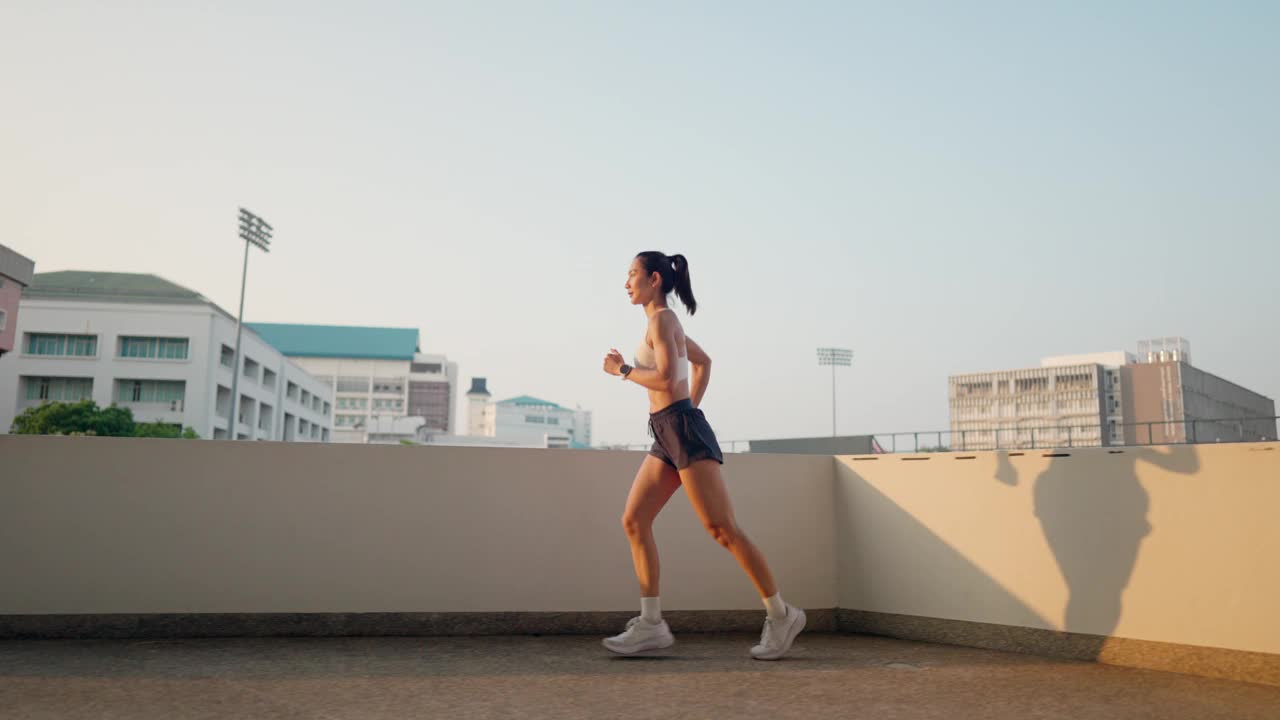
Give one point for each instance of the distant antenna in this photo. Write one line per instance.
(1165, 349)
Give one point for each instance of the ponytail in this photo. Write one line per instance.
(683, 288)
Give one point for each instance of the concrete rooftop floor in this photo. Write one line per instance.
(702, 676)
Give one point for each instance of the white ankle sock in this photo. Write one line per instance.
(651, 609)
(776, 608)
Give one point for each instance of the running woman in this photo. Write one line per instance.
(684, 452)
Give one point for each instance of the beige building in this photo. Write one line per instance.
(1113, 398)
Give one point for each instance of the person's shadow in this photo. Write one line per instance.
(1093, 512)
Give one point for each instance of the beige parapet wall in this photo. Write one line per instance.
(1156, 557)
(112, 525)
(1173, 544)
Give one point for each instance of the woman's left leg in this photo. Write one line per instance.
(710, 500)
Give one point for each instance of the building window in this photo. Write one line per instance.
(348, 384)
(155, 348)
(62, 345)
(352, 421)
(150, 391)
(58, 389)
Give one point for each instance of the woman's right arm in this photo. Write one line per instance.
(700, 373)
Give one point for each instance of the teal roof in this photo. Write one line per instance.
(339, 341)
(525, 400)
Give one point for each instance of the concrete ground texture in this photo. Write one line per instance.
(571, 676)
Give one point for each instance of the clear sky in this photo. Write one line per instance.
(943, 187)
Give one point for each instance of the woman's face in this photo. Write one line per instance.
(641, 286)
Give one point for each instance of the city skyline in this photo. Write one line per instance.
(971, 190)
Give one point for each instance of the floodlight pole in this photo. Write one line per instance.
(833, 357)
(254, 230)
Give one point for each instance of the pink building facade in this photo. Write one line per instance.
(15, 274)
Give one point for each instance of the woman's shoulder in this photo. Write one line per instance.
(663, 318)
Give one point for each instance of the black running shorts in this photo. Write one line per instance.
(682, 436)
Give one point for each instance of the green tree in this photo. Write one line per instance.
(32, 421)
(163, 430)
(156, 430)
(114, 421)
(86, 418)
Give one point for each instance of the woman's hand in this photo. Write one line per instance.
(613, 362)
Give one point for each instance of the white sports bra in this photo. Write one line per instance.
(645, 358)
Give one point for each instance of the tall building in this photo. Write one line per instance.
(526, 420)
(162, 350)
(1113, 398)
(478, 407)
(1171, 401)
(378, 375)
(16, 272)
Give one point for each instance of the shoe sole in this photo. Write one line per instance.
(659, 645)
(791, 638)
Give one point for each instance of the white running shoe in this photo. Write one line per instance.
(639, 636)
(776, 638)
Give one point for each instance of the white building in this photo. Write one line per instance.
(477, 408)
(159, 349)
(384, 430)
(379, 376)
(526, 420)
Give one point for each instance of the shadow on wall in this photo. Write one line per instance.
(1094, 524)
(908, 568)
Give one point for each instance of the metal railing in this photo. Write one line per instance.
(1158, 432)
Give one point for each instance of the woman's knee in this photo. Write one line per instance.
(636, 527)
(726, 534)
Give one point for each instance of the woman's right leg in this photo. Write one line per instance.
(654, 485)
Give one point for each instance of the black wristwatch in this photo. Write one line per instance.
(624, 370)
